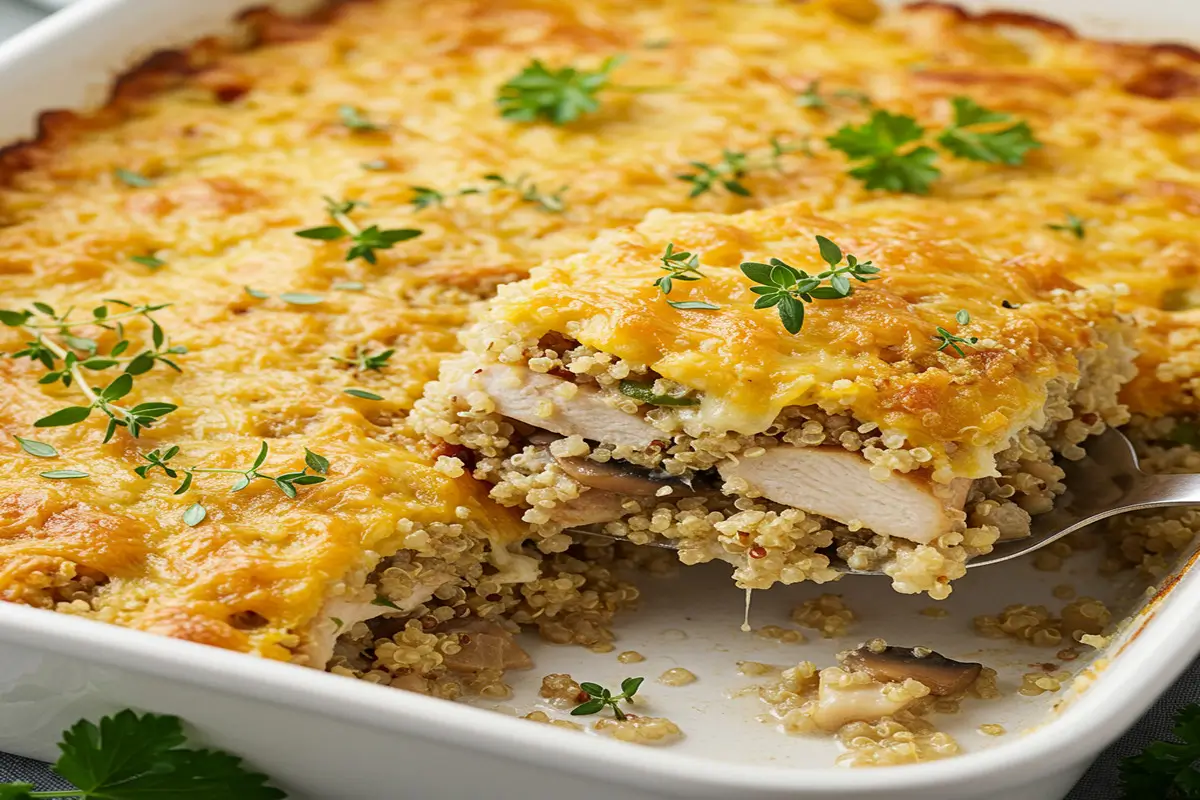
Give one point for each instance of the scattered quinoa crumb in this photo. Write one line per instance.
(563, 688)
(992, 729)
(630, 657)
(450, 466)
(827, 614)
(755, 668)
(546, 719)
(781, 634)
(641, 730)
(1036, 683)
(677, 676)
(1064, 591)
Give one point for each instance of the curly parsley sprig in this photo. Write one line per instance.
(286, 483)
(602, 698)
(132, 757)
(1167, 770)
(952, 341)
(733, 167)
(559, 96)
(364, 241)
(782, 285)
(56, 346)
(965, 139)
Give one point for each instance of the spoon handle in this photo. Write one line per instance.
(1155, 491)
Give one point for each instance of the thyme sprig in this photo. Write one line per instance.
(1074, 225)
(65, 355)
(425, 196)
(782, 285)
(952, 341)
(286, 482)
(733, 167)
(356, 120)
(681, 266)
(364, 241)
(602, 698)
(365, 361)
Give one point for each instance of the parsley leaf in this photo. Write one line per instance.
(131, 757)
(1004, 146)
(1167, 769)
(880, 145)
(558, 96)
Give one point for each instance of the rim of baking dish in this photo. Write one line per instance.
(1153, 657)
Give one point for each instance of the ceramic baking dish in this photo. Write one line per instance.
(324, 737)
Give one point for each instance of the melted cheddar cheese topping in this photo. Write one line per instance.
(240, 143)
(874, 353)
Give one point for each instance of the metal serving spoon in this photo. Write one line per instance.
(1105, 483)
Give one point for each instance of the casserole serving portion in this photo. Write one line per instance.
(851, 426)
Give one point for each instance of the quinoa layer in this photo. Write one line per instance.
(705, 517)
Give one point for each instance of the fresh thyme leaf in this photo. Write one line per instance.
(1073, 225)
(286, 483)
(602, 698)
(811, 96)
(1167, 770)
(65, 355)
(1004, 146)
(194, 515)
(302, 298)
(952, 341)
(318, 464)
(256, 293)
(131, 178)
(63, 474)
(644, 393)
(558, 96)
(338, 626)
(692, 305)
(733, 167)
(354, 119)
(423, 197)
(365, 361)
(528, 192)
(885, 161)
(36, 448)
(364, 241)
(380, 600)
(362, 393)
(148, 261)
(782, 286)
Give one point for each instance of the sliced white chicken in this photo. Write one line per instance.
(521, 394)
(840, 701)
(837, 483)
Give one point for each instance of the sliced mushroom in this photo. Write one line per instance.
(624, 478)
(943, 676)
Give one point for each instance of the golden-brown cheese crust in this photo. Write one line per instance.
(874, 353)
(242, 143)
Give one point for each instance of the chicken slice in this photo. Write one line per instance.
(837, 483)
(519, 393)
(842, 698)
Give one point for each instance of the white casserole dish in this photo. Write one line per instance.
(324, 737)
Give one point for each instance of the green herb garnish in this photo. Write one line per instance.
(66, 355)
(1167, 770)
(365, 241)
(286, 482)
(782, 285)
(36, 448)
(153, 262)
(558, 96)
(354, 119)
(380, 600)
(1073, 225)
(644, 393)
(948, 339)
(349, 286)
(602, 698)
(131, 178)
(1004, 146)
(425, 197)
(362, 394)
(375, 165)
(131, 757)
(733, 167)
(811, 96)
(680, 266)
(365, 361)
(887, 161)
(302, 298)
(194, 515)
(63, 474)
(528, 192)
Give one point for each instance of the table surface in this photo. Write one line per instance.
(1100, 783)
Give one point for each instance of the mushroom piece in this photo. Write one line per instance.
(624, 478)
(943, 676)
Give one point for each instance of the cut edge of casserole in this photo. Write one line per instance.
(588, 400)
